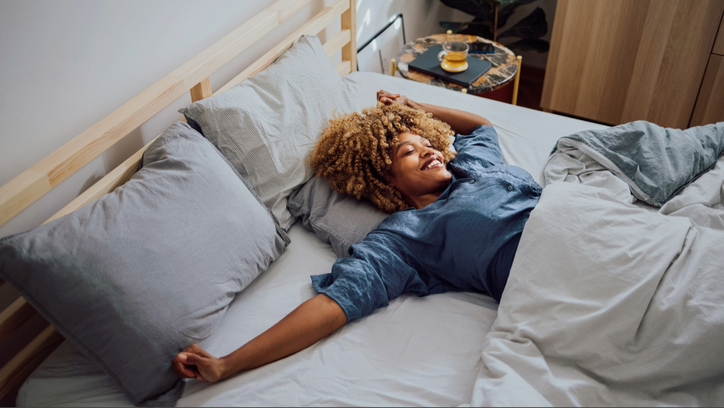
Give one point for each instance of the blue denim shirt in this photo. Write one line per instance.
(464, 241)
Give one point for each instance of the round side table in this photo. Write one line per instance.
(504, 63)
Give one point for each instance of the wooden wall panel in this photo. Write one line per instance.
(684, 54)
(719, 44)
(710, 104)
(614, 61)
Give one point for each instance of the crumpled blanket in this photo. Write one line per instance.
(611, 301)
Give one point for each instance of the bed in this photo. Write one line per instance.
(448, 349)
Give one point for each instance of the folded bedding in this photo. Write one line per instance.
(655, 162)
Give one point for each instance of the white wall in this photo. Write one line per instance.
(64, 65)
(422, 17)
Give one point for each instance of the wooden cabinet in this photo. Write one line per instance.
(719, 45)
(615, 61)
(710, 103)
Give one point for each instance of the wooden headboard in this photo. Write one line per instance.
(193, 77)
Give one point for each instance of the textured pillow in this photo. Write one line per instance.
(267, 125)
(150, 268)
(336, 219)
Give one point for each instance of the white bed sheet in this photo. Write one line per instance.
(416, 351)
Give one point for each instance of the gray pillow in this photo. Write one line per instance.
(150, 268)
(337, 219)
(267, 125)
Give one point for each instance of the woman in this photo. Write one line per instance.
(456, 223)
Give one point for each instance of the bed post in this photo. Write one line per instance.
(349, 22)
(202, 90)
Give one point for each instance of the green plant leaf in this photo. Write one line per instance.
(530, 44)
(476, 8)
(532, 26)
(506, 11)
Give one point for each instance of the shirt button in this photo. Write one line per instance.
(510, 188)
(472, 181)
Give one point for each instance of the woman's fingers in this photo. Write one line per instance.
(195, 349)
(386, 97)
(191, 362)
(195, 362)
(181, 367)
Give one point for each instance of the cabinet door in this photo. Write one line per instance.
(710, 103)
(719, 44)
(615, 61)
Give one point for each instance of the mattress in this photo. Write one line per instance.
(416, 351)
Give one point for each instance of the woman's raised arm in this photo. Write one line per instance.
(461, 122)
(312, 321)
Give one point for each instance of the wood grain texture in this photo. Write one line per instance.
(14, 316)
(32, 184)
(20, 311)
(335, 44)
(349, 22)
(312, 27)
(710, 103)
(719, 44)
(108, 183)
(616, 61)
(344, 68)
(202, 90)
(20, 367)
(516, 82)
(192, 76)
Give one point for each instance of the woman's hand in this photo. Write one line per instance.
(196, 363)
(312, 321)
(461, 122)
(387, 98)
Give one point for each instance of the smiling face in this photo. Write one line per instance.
(418, 171)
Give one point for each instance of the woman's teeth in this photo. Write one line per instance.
(432, 164)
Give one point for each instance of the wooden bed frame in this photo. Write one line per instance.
(191, 77)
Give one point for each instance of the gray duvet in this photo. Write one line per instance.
(610, 302)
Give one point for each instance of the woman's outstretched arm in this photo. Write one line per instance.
(312, 321)
(461, 122)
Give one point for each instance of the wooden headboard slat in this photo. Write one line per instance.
(344, 68)
(349, 22)
(14, 316)
(193, 77)
(108, 183)
(202, 90)
(313, 27)
(18, 369)
(336, 43)
(34, 183)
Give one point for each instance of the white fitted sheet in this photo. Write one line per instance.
(416, 351)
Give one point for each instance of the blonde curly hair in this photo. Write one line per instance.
(355, 151)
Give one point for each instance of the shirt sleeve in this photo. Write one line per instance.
(374, 274)
(479, 150)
